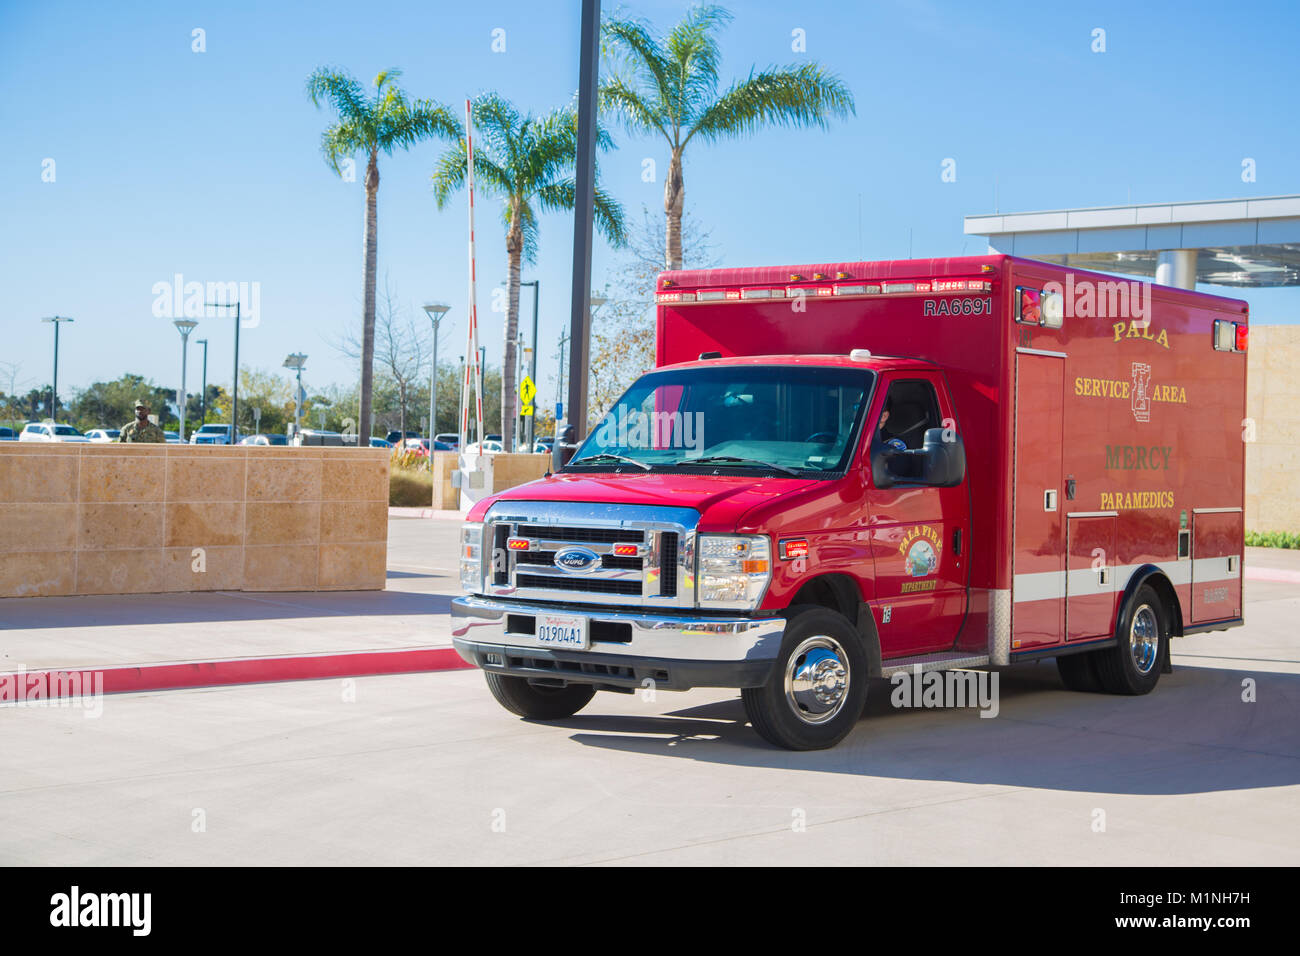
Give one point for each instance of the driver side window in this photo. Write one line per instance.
(911, 407)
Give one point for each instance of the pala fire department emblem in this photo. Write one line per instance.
(920, 550)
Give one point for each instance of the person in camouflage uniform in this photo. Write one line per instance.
(142, 430)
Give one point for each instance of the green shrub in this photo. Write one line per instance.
(1272, 539)
(410, 489)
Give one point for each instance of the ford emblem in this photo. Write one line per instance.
(576, 560)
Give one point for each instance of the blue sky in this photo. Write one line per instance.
(207, 164)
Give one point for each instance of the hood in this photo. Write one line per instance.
(720, 500)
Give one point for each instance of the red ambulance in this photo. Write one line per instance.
(842, 471)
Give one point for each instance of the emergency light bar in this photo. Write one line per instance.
(912, 287)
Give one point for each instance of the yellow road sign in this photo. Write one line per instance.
(526, 391)
(526, 410)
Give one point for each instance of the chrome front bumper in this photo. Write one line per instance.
(673, 651)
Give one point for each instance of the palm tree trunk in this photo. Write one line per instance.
(674, 193)
(509, 409)
(368, 308)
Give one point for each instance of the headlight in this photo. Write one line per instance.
(734, 570)
(471, 557)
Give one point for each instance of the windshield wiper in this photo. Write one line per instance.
(709, 459)
(608, 457)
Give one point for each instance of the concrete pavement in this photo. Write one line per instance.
(426, 768)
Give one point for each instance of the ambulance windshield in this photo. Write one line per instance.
(730, 419)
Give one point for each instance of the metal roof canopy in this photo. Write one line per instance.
(1237, 242)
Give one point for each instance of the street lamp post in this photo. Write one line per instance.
(234, 385)
(297, 361)
(185, 327)
(54, 385)
(203, 399)
(436, 311)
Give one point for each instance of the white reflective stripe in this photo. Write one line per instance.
(1050, 585)
(1214, 569)
(1083, 581)
(1039, 586)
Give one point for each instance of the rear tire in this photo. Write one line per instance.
(818, 686)
(1079, 672)
(537, 701)
(1133, 666)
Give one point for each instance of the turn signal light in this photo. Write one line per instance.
(794, 548)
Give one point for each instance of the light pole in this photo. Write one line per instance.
(532, 364)
(54, 386)
(203, 399)
(185, 327)
(234, 385)
(436, 311)
(297, 361)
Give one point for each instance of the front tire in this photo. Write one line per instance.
(537, 701)
(818, 686)
(1133, 666)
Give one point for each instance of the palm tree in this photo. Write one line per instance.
(528, 161)
(669, 85)
(368, 124)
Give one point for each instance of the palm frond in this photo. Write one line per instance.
(340, 141)
(340, 90)
(694, 53)
(805, 95)
(628, 44)
(625, 102)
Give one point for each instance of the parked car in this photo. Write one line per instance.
(394, 437)
(172, 438)
(490, 447)
(443, 446)
(213, 435)
(101, 435)
(265, 439)
(7, 434)
(45, 431)
(316, 436)
(448, 438)
(380, 443)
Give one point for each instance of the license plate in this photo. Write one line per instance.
(561, 630)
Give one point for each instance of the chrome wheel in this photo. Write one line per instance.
(1144, 639)
(817, 679)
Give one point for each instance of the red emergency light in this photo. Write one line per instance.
(626, 550)
(518, 544)
(1243, 335)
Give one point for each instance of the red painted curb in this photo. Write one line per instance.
(56, 683)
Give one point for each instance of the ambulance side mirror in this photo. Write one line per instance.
(944, 458)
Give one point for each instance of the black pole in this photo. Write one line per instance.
(203, 407)
(54, 387)
(583, 205)
(234, 388)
